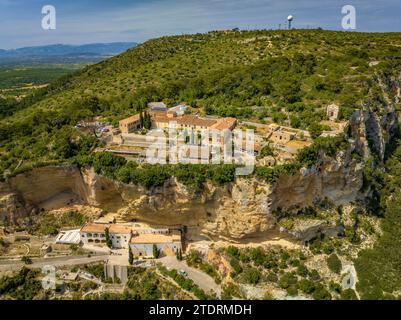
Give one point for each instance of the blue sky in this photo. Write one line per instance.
(88, 21)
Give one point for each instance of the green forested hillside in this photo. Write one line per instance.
(287, 75)
(379, 267)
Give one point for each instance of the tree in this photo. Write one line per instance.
(155, 251)
(141, 122)
(287, 280)
(252, 275)
(315, 130)
(130, 256)
(108, 240)
(178, 254)
(334, 263)
(26, 260)
(266, 151)
(321, 293)
(348, 294)
(307, 286)
(235, 264)
(147, 121)
(302, 270)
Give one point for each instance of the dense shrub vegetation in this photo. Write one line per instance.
(192, 175)
(285, 269)
(287, 76)
(143, 284)
(334, 263)
(50, 224)
(195, 260)
(22, 286)
(378, 268)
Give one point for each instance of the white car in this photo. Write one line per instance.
(183, 273)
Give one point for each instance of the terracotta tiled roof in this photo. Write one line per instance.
(224, 123)
(134, 118)
(186, 119)
(189, 120)
(94, 227)
(162, 118)
(155, 238)
(192, 120)
(121, 229)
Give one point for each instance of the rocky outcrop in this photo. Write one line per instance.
(306, 230)
(12, 207)
(241, 210)
(372, 132)
(49, 187)
(336, 180)
(373, 127)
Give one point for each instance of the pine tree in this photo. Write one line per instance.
(147, 121)
(108, 240)
(180, 255)
(155, 252)
(130, 256)
(141, 122)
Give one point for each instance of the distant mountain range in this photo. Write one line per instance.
(95, 49)
(62, 54)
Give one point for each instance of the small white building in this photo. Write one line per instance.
(120, 235)
(332, 112)
(179, 110)
(142, 244)
(267, 161)
(94, 233)
(69, 237)
(139, 239)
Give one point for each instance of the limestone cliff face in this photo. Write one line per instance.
(12, 205)
(372, 132)
(241, 210)
(232, 211)
(373, 127)
(337, 180)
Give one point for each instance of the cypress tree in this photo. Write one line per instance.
(141, 119)
(130, 256)
(155, 252)
(108, 240)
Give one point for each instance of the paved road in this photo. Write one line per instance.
(11, 265)
(203, 280)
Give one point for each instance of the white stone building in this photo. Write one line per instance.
(332, 112)
(120, 235)
(168, 243)
(93, 233)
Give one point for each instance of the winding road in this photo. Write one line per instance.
(12, 265)
(203, 280)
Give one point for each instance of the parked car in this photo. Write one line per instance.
(183, 273)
